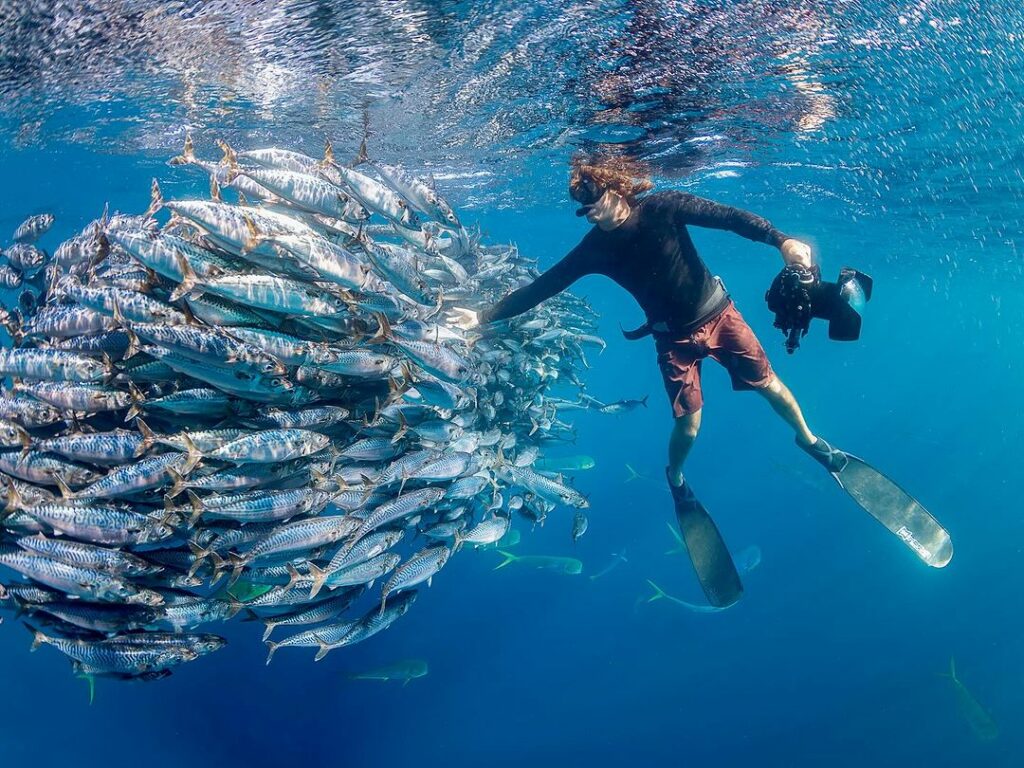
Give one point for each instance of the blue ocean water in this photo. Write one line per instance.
(886, 134)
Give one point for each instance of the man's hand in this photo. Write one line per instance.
(466, 319)
(796, 252)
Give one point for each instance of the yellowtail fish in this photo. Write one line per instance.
(405, 670)
(564, 464)
(567, 565)
(659, 593)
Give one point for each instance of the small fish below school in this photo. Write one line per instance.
(564, 463)
(617, 559)
(623, 406)
(660, 594)
(567, 565)
(579, 525)
(403, 671)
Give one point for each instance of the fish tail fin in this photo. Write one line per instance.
(658, 592)
(383, 329)
(21, 606)
(369, 486)
(193, 456)
(403, 428)
(156, 198)
(131, 351)
(253, 238)
(271, 626)
(215, 189)
(675, 534)
(952, 670)
(177, 483)
(234, 606)
(148, 436)
(200, 556)
(178, 486)
(643, 400)
(197, 507)
(121, 322)
(62, 486)
(237, 563)
(230, 158)
(187, 156)
(509, 558)
(361, 156)
(137, 398)
(91, 682)
(24, 438)
(319, 576)
(38, 638)
(14, 500)
(219, 569)
(329, 153)
(499, 458)
(189, 279)
(294, 577)
(633, 474)
(271, 649)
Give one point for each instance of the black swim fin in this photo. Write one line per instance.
(893, 507)
(715, 569)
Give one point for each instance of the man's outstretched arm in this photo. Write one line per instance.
(577, 263)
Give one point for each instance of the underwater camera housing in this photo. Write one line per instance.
(797, 295)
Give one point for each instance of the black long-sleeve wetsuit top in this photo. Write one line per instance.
(650, 254)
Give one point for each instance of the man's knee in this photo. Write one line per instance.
(688, 426)
(772, 387)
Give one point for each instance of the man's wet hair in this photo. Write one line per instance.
(624, 175)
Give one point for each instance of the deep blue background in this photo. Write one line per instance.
(833, 656)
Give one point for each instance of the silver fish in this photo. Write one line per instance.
(32, 228)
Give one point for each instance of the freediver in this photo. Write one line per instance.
(640, 240)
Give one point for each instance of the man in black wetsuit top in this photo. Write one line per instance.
(642, 243)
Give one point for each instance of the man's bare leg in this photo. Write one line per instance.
(782, 401)
(684, 432)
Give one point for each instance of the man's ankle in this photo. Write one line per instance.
(802, 440)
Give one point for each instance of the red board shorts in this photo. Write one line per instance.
(727, 339)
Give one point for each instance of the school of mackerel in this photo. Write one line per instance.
(252, 404)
